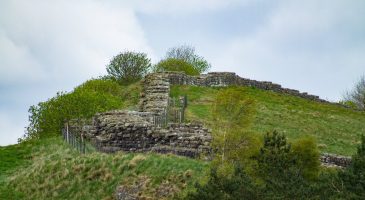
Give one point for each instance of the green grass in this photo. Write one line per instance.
(50, 169)
(336, 129)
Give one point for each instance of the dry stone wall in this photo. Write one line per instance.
(222, 79)
(332, 160)
(134, 132)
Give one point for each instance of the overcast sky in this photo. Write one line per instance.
(315, 46)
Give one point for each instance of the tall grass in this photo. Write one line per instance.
(52, 170)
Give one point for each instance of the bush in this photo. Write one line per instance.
(173, 64)
(353, 177)
(307, 153)
(283, 170)
(280, 173)
(187, 54)
(47, 118)
(128, 67)
(237, 186)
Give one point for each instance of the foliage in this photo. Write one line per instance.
(353, 176)
(283, 170)
(187, 54)
(128, 67)
(232, 114)
(280, 174)
(307, 153)
(238, 186)
(334, 127)
(357, 94)
(47, 118)
(173, 64)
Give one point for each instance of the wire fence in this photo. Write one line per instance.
(175, 112)
(73, 135)
(75, 139)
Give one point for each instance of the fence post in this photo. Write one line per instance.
(67, 133)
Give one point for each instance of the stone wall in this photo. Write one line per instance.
(155, 94)
(222, 79)
(332, 160)
(133, 132)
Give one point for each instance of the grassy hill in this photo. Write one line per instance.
(49, 169)
(337, 129)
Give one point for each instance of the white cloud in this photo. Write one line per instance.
(50, 46)
(183, 7)
(65, 38)
(303, 46)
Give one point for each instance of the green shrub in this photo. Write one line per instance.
(307, 153)
(187, 54)
(237, 186)
(284, 171)
(173, 64)
(353, 177)
(128, 67)
(47, 118)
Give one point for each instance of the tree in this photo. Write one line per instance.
(284, 171)
(128, 67)
(187, 54)
(357, 94)
(173, 64)
(47, 118)
(233, 113)
(353, 177)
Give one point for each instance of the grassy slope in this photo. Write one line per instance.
(50, 169)
(336, 129)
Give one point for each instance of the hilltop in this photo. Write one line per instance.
(50, 168)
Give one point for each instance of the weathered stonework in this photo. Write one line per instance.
(134, 132)
(222, 79)
(332, 160)
(155, 94)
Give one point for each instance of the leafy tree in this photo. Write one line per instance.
(47, 118)
(357, 95)
(187, 54)
(128, 67)
(353, 177)
(173, 64)
(232, 115)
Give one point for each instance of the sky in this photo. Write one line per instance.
(315, 46)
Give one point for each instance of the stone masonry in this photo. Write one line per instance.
(133, 132)
(155, 94)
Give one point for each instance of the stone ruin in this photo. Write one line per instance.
(137, 131)
(133, 131)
